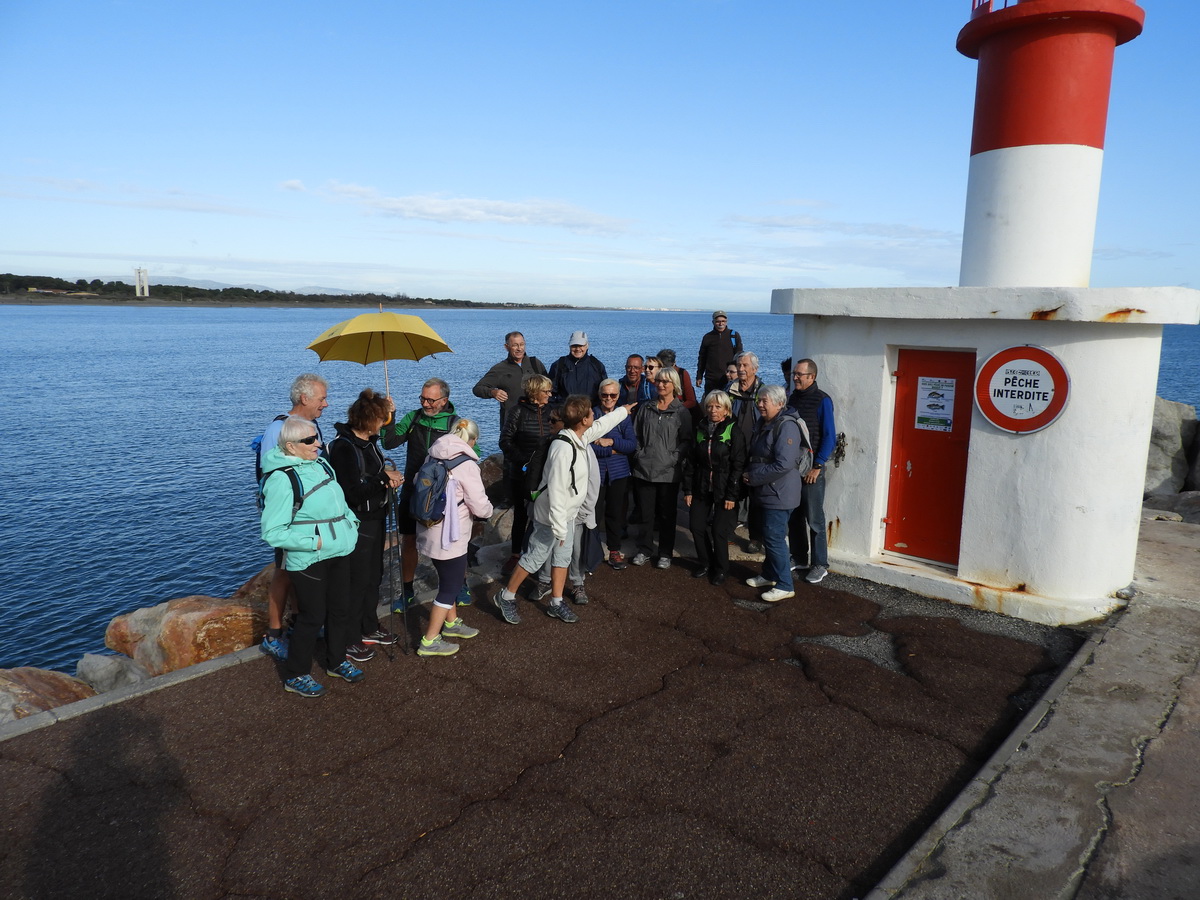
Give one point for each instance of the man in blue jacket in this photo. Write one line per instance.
(578, 372)
(808, 521)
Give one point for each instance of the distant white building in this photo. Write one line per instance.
(141, 283)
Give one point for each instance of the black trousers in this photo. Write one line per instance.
(712, 526)
(612, 506)
(322, 598)
(366, 574)
(658, 502)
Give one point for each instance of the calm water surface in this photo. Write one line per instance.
(129, 481)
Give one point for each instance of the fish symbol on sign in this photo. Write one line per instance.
(936, 395)
(937, 405)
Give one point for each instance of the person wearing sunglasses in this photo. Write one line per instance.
(613, 451)
(305, 515)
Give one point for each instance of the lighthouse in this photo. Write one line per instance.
(1041, 107)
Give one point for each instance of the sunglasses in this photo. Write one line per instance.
(609, 396)
(311, 439)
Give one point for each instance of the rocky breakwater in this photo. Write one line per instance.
(188, 630)
(1173, 463)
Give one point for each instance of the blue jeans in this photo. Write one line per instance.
(808, 521)
(777, 566)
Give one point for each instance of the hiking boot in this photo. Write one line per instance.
(640, 560)
(304, 685)
(464, 596)
(577, 594)
(754, 547)
(510, 565)
(561, 611)
(617, 560)
(406, 600)
(664, 562)
(276, 648)
(436, 647)
(360, 652)
(459, 629)
(776, 594)
(379, 636)
(816, 574)
(347, 671)
(507, 607)
(757, 581)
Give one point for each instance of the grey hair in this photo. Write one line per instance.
(775, 394)
(812, 365)
(720, 398)
(611, 381)
(439, 383)
(302, 387)
(467, 430)
(294, 428)
(746, 354)
(667, 357)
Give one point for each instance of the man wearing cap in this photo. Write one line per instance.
(578, 372)
(717, 350)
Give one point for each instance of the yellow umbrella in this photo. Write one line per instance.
(372, 337)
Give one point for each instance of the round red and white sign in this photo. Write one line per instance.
(1022, 389)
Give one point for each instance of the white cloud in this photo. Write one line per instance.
(439, 208)
(294, 184)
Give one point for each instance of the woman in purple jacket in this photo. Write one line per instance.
(612, 454)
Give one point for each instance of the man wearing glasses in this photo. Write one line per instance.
(718, 349)
(807, 525)
(634, 388)
(418, 429)
(502, 382)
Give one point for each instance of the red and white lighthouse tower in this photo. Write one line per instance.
(1041, 106)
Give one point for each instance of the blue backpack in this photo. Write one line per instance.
(428, 501)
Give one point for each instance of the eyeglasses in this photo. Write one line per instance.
(429, 401)
(609, 396)
(311, 439)
(798, 375)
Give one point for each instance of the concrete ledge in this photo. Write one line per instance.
(941, 584)
(1144, 305)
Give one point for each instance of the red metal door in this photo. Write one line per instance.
(930, 436)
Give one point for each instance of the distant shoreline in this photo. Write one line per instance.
(348, 303)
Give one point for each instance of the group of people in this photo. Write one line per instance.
(580, 448)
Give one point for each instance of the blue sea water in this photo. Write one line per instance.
(128, 479)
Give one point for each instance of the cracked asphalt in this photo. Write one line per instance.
(681, 740)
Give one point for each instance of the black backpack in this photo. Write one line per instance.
(299, 495)
(534, 470)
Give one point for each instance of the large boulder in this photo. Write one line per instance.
(107, 673)
(25, 691)
(1185, 503)
(1170, 439)
(188, 630)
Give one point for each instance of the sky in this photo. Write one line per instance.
(658, 153)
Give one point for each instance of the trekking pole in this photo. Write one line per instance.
(396, 559)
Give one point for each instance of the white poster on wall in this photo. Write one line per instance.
(935, 404)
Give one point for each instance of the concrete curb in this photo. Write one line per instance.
(979, 786)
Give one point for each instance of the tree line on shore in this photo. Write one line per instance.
(182, 293)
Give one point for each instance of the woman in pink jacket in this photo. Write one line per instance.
(445, 542)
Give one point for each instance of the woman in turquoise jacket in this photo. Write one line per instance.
(305, 515)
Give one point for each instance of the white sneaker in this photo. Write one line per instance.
(757, 581)
(816, 574)
(776, 594)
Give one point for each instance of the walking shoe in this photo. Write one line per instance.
(347, 671)
(436, 647)
(459, 629)
(816, 574)
(757, 581)
(640, 560)
(776, 594)
(617, 560)
(510, 565)
(663, 562)
(699, 572)
(539, 590)
(379, 636)
(717, 578)
(561, 611)
(359, 652)
(507, 607)
(405, 600)
(754, 547)
(277, 648)
(304, 685)
(464, 596)
(578, 594)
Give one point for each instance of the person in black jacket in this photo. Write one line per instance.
(502, 382)
(718, 348)
(525, 429)
(578, 372)
(358, 464)
(712, 485)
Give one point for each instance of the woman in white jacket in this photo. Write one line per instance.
(445, 542)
